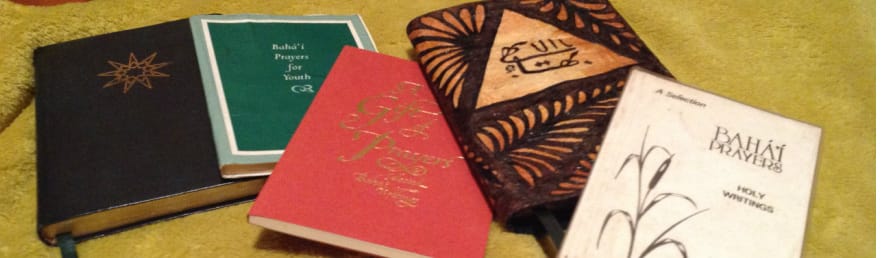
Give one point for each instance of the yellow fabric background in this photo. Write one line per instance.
(809, 60)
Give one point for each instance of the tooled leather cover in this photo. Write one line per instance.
(528, 87)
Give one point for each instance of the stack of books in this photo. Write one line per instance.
(575, 131)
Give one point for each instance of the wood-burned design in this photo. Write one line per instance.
(521, 64)
(528, 88)
(538, 140)
(599, 13)
(442, 54)
(580, 175)
(134, 72)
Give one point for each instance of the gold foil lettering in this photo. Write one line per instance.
(379, 122)
(374, 144)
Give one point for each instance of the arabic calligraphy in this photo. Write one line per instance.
(540, 56)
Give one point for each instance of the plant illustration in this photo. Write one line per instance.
(645, 203)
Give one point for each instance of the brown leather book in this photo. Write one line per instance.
(528, 88)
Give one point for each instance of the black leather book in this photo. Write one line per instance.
(123, 134)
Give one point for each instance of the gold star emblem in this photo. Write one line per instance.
(134, 72)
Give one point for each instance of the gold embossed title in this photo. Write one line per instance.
(387, 126)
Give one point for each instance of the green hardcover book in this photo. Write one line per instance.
(260, 74)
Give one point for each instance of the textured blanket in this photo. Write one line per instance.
(809, 60)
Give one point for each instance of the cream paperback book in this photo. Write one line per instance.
(686, 173)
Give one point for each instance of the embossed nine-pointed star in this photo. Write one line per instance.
(134, 72)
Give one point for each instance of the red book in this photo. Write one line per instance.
(373, 167)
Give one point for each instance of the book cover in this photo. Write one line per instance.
(260, 74)
(374, 168)
(528, 88)
(123, 134)
(687, 173)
